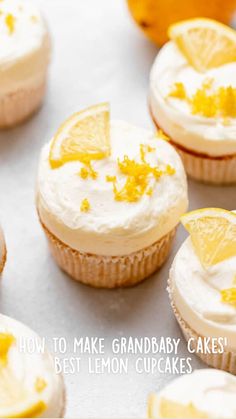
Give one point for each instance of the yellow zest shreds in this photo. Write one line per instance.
(209, 103)
(10, 22)
(149, 192)
(228, 296)
(85, 205)
(6, 341)
(145, 148)
(40, 385)
(178, 91)
(138, 177)
(208, 83)
(203, 104)
(160, 134)
(110, 178)
(88, 171)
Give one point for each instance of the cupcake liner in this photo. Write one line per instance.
(3, 251)
(18, 106)
(110, 271)
(225, 361)
(218, 170)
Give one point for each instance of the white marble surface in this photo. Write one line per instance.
(98, 55)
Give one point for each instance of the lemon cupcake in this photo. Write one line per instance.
(24, 57)
(29, 384)
(204, 394)
(109, 198)
(202, 286)
(193, 97)
(3, 251)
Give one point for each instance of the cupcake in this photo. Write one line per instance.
(202, 286)
(3, 251)
(29, 384)
(24, 57)
(203, 394)
(193, 97)
(109, 198)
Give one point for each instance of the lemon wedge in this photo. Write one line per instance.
(163, 408)
(205, 43)
(85, 136)
(15, 400)
(213, 234)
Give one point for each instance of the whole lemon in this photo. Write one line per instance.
(154, 16)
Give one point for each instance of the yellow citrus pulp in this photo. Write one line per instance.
(155, 16)
(206, 43)
(213, 234)
(15, 400)
(85, 136)
(163, 408)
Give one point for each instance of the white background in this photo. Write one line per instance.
(98, 55)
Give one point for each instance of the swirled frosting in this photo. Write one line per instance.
(112, 227)
(205, 394)
(29, 385)
(196, 293)
(208, 135)
(24, 47)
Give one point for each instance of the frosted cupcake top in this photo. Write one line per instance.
(197, 109)
(24, 48)
(204, 394)
(117, 204)
(22, 30)
(28, 382)
(203, 277)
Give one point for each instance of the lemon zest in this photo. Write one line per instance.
(138, 176)
(40, 385)
(6, 341)
(178, 91)
(85, 205)
(162, 135)
(88, 171)
(208, 103)
(228, 296)
(111, 178)
(10, 22)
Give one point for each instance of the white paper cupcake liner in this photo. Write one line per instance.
(18, 106)
(209, 170)
(225, 361)
(108, 271)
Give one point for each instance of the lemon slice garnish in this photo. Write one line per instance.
(164, 408)
(15, 400)
(205, 43)
(85, 136)
(213, 234)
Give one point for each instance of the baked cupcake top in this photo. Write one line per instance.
(24, 48)
(194, 98)
(28, 382)
(203, 275)
(127, 196)
(203, 394)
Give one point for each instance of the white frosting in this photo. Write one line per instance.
(111, 227)
(28, 367)
(24, 54)
(196, 294)
(210, 391)
(197, 133)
